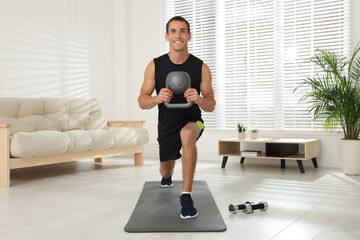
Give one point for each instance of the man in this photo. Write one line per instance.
(178, 127)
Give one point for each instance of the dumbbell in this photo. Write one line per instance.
(248, 207)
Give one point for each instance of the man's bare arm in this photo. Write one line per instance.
(207, 101)
(146, 101)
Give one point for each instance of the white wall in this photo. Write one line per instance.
(58, 49)
(144, 43)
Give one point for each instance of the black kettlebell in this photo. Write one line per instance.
(178, 82)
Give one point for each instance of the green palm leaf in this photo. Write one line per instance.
(334, 94)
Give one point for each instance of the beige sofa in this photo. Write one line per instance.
(41, 131)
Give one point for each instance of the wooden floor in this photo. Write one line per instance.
(87, 200)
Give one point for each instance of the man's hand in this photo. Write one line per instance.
(165, 95)
(192, 95)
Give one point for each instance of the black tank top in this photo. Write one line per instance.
(172, 120)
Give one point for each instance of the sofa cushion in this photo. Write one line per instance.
(43, 143)
(39, 143)
(53, 114)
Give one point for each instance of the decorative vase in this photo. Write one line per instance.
(254, 135)
(241, 135)
(349, 151)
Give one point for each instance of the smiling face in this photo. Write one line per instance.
(178, 36)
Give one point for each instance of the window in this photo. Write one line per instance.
(256, 51)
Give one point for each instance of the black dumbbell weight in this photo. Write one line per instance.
(248, 207)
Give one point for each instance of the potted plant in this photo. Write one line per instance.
(241, 131)
(254, 133)
(334, 94)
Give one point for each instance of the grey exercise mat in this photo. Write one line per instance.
(158, 210)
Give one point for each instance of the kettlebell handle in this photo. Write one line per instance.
(178, 105)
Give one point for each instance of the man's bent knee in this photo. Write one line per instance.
(189, 133)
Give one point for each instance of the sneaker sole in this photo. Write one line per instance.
(189, 217)
(166, 186)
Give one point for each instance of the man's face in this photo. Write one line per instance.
(178, 35)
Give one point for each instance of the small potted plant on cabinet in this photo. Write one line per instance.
(254, 133)
(241, 131)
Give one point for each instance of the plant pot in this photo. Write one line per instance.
(254, 135)
(350, 156)
(241, 135)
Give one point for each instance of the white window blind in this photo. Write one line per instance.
(256, 51)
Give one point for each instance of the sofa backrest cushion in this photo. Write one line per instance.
(58, 114)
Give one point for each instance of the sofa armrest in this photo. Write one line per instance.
(135, 124)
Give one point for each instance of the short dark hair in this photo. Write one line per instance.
(177, 18)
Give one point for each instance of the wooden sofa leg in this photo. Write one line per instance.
(4, 156)
(139, 157)
(5, 178)
(98, 159)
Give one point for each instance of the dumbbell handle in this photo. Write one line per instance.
(258, 206)
(263, 206)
